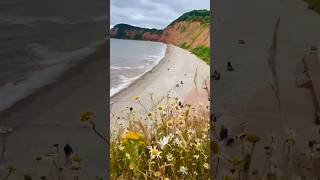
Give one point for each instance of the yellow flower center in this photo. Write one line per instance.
(154, 152)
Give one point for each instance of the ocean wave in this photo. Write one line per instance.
(113, 67)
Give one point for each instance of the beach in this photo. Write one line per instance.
(51, 116)
(177, 66)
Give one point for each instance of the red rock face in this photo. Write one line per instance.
(151, 37)
(192, 33)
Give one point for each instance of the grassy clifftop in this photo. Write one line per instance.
(202, 16)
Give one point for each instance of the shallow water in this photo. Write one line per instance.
(130, 59)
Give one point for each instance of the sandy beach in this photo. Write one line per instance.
(52, 115)
(178, 65)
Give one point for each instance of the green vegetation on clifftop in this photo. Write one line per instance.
(201, 51)
(203, 16)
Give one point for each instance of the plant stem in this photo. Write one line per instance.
(3, 149)
(98, 133)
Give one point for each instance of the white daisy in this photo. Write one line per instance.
(164, 141)
(177, 141)
(170, 157)
(128, 156)
(206, 166)
(154, 152)
(183, 170)
(196, 156)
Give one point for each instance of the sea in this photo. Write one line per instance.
(131, 59)
(39, 40)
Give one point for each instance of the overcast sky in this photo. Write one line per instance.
(151, 13)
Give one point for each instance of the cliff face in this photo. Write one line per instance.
(191, 30)
(192, 34)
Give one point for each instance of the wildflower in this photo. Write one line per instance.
(164, 141)
(292, 134)
(149, 114)
(161, 108)
(169, 123)
(291, 137)
(86, 116)
(154, 152)
(177, 141)
(128, 156)
(195, 173)
(205, 157)
(157, 174)
(166, 178)
(10, 169)
(198, 146)
(236, 161)
(204, 135)
(252, 138)
(169, 157)
(170, 135)
(181, 122)
(197, 140)
(132, 136)
(191, 132)
(136, 98)
(183, 170)
(196, 156)
(206, 166)
(121, 148)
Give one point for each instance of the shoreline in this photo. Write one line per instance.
(178, 65)
(143, 74)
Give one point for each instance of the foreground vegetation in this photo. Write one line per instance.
(314, 5)
(170, 142)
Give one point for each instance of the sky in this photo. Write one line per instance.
(151, 13)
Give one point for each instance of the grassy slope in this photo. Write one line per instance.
(200, 51)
